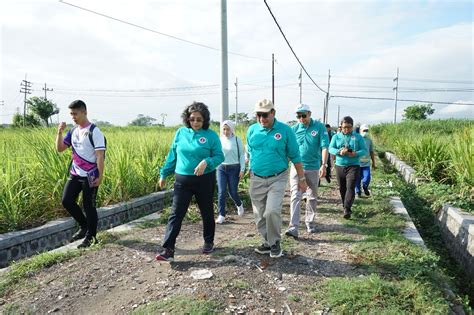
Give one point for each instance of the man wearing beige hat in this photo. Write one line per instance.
(270, 145)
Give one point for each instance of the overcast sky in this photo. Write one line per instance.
(121, 71)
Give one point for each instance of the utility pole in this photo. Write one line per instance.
(396, 99)
(2, 104)
(338, 111)
(26, 89)
(45, 89)
(163, 115)
(236, 99)
(273, 79)
(326, 110)
(224, 65)
(301, 86)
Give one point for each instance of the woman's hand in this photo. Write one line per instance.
(199, 170)
(162, 183)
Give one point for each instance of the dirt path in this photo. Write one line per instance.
(124, 275)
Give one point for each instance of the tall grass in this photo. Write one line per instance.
(440, 150)
(33, 174)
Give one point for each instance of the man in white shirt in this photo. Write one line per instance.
(86, 171)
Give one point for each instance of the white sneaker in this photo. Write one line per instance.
(220, 219)
(240, 210)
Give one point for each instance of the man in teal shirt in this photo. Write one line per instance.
(270, 145)
(348, 146)
(313, 141)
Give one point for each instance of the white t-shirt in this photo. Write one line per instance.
(84, 158)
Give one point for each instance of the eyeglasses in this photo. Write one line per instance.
(301, 116)
(365, 130)
(262, 115)
(196, 120)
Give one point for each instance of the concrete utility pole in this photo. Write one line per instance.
(327, 98)
(236, 99)
(26, 89)
(45, 89)
(396, 99)
(338, 111)
(301, 86)
(273, 79)
(224, 79)
(2, 104)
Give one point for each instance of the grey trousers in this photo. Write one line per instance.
(312, 180)
(267, 200)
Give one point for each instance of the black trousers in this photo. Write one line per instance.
(185, 187)
(72, 189)
(346, 179)
(328, 169)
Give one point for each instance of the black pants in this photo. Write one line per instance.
(346, 179)
(185, 186)
(74, 185)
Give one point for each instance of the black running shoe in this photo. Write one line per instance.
(166, 254)
(80, 234)
(263, 249)
(88, 242)
(208, 248)
(366, 191)
(275, 250)
(347, 214)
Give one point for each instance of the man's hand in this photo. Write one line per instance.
(343, 151)
(61, 127)
(97, 181)
(241, 174)
(302, 185)
(199, 170)
(322, 171)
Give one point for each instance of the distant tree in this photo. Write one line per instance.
(31, 120)
(418, 112)
(143, 120)
(242, 118)
(43, 108)
(101, 123)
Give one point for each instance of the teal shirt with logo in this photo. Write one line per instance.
(270, 149)
(365, 160)
(354, 141)
(189, 148)
(311, 140)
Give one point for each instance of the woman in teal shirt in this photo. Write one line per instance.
(348, 146)
(194, 155)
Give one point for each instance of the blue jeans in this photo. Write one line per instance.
(227, 176)
(364, 177)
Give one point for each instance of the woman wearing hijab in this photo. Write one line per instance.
(230, 171)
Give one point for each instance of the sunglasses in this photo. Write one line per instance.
(301, 116)
(196, 120)
(262, 115)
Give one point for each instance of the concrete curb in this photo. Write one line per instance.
(20, 244)
(410, 232)
(457, 227)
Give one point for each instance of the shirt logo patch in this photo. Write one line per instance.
(314, 133)
(353, 137)
(202, 140)
(277, 136)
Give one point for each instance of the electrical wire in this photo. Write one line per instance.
(291, 48)
(157, 32)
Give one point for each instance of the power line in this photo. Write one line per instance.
(401, 100)
(291, 48)
(157, 32)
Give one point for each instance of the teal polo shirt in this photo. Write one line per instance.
(353, 141)
(189, 148)
(311, 140)
(269, 149)
(365, 160)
